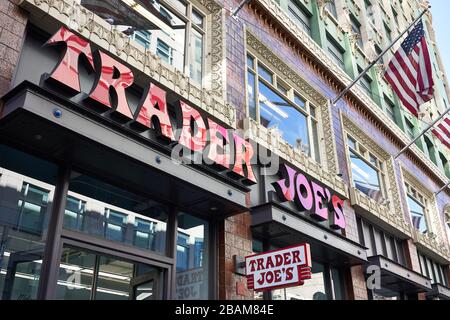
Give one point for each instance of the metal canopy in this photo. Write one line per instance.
(28, 119)
(439, 291)
(284, 228)
(397, 278)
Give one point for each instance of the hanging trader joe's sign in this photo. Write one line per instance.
(282, 268)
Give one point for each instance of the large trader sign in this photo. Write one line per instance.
(283, 268)
(108, 95)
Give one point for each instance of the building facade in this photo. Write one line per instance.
(147, 147)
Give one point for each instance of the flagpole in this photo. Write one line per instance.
(363, 73)
(443, 188)
(422, 133)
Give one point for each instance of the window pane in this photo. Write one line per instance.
(300, 16)
(313, 289)
(315, 134)
(192, 258)
(76, 275)
(26, 196)
(85, 275)
(133, 17)
(417, 212)
(250, 62)
(265, 74)
(116, 214)
(335, 52)
(197, 18)
(251, 95)
(196, 56)
(365, 178)
(277, 113)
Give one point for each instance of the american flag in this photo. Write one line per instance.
(443, 131)
(409, 72)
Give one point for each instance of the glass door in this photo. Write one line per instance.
(89, 275)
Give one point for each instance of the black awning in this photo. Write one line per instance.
(397, 278)
(439, 291)
(286, 228)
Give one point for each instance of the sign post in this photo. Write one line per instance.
(283, 268)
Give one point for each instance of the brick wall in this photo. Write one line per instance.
(12, 28)
(235, 239)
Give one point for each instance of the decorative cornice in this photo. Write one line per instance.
(105, 36)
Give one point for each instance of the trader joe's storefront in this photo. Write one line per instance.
(92, 204)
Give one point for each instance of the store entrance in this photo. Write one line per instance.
(90, 275)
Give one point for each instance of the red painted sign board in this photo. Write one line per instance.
(282, 268)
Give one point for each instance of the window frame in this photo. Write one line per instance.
(415, 194)
(365, 155)
(292, 93)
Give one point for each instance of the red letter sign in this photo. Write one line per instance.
(195, 142)
(243, 155)
(116, 76)
(66, 72)
(155, 97)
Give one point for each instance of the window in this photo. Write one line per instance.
(388, 33)
(102, 210)
(365, 83)
(356, 28)
(331, 6)
(445, 164)
(417, 204)
(380, 242)
(26, 197)
(143, 38)
(164, 51)
(433, 270)
(335, 52)
(277, 106)
(390, 109)
(430, 149)
(367, 171)
(369, 11)
(299, 15)
(172, 29)
(409, 129)
(192, 258)
(86, 275)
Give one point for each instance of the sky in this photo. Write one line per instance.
(441, 22)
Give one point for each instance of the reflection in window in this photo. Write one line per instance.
(365, 177)
(85, 275)
(161, 28)
(192, 260)
(313, 289)
(277, 106)
(417, 212)
(26, 194)
(102, 210)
